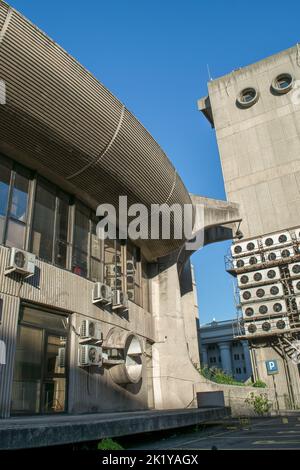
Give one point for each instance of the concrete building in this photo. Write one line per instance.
(88, 326)
(220, 349)
(255, 112)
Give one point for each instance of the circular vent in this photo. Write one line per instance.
(263, 309)
(285, 253)
(130, 294)
(19, 259)
(274, 290)
(249, 311)
(92, 354)
(247, 97)
(244, 279)
(280, 324)
(257, 277)
(282, 238)
(237, 249)
(271, 274)
(266, 326)
(272, 256)
(240, 263)
(252, 328)
(250, 246)
(277, 307)
(260, 293)
(269, 241)
(103, 291)
(296, 269)
(298, 285)
(252, 260)
(246, 295)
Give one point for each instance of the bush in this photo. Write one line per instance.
(259, 384)
(260, 403)
(109, 444)
(219, 376)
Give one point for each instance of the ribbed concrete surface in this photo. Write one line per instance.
(17, 433)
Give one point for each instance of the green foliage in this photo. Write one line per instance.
(260, 403)
(219, 376)
(109, 444)
(259, 384)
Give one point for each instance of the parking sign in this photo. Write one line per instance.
(272, 367)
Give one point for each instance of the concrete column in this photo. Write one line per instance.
(204, 355)
(225, 357)
(247, 358)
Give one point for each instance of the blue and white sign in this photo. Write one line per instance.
(272, 367)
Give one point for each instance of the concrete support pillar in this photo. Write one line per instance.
(247, 358)
(204, 355)
(226, 357)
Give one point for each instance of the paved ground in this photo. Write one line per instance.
(267, 433)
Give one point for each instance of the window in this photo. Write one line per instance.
(282, 83)
(236, 357)
(113, 256)
(247, 97)
(39, 383)
(5, 173)
(238, 370)
(97, 254)
(244, 370)
(133, 274)
(213, 360)
(81, 241)
(61, 230)
(243, 356)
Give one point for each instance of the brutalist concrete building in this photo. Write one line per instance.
(255, 112)
(88, 326)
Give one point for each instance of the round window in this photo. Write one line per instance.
(247, 97)
(263, 309)
(282, 83)
(244, 279)
(249, 311)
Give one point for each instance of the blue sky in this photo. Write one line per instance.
(153, 55)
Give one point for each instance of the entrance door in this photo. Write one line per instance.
(39, 384)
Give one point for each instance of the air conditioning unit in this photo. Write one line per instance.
(21, 262)
(263, 292)
(244, 248)
(89, 355)
(130, 267)
(267, 308)
(294, 269)
(113, 270)
(90, 329)
(130, 294)
(247, 261)
(296, 287)
(61, 357)
(261, 327)
(119, 300)
(275, 239)
(253, 277)
(101, 293)
(279, 255)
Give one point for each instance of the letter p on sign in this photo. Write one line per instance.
(272, 367)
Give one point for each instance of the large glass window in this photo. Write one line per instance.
(39, 384)
(17, 214)
(133, 274)
(43, 221)
(61, 230)
(5, 174)
(114, 276)
(96, 269)
(81, 241)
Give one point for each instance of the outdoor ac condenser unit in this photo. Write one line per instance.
(263, 292)
(277, 239)
(21, 262)
(274, 325)
(101, 293)
(247, 261)
(273, 307)
(244, 248)
(90, 329)
(255, 277)
(89, 355)
(294, 269)
(119, 300)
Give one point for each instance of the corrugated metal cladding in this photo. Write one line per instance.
(60, 116)
(56, 288)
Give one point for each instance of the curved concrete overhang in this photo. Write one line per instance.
(59, 120)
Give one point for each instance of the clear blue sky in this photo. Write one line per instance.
(153, 55)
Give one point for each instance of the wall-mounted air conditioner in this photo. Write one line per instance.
(296, 287)
(21, 262)
(294, 269)
(130, 267)
(89, 355)
(254, 277)
(277, 239)
(101, 293)
(113, 270)
(267, 308)
(263, 292)
(247, 261)
(244, 248)
(261, 327)
(91, 330)
(130, 294)
(119, 300)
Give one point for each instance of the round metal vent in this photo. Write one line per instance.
(252, 260)
(266, 326)
(250, 246)
(272, 256)
(246, 295)
(260, 293)
(269, 241)
(285, 253)
(237, 249)
(274, 290)
(296, 269)
(298, 285)
(249, 311)
(280, 324)
(252, 328)
(240, 263)
(277, 307)
(257, 277)
(263, 309)
(19, 259)
(271, 274)
(282, 238)
(244, 279)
